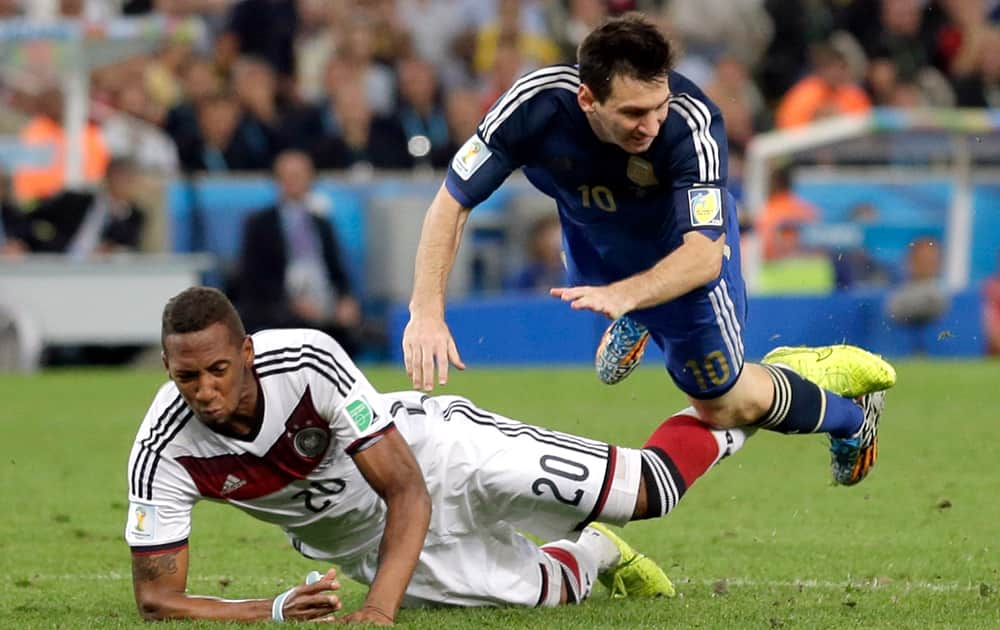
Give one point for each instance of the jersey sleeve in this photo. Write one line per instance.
(699, 163)
(357, 413)
(506, 135)
(161, 493)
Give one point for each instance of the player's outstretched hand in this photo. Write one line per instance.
(428, 343)
(313, 599)
(606, 300)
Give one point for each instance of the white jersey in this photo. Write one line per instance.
(488, 476)
(295, 472)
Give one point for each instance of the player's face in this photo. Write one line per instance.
(631, 115)
(213, 373)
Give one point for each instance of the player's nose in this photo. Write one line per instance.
(206, 391)
(650, 124)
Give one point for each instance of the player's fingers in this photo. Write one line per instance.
(557, 291)
(408, 358)
(315, 603)
(441, 359)
(317, 582)
(426, 376)
(453, 355)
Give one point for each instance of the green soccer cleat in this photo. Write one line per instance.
(846, 370)
(853, 373)
(635, 575)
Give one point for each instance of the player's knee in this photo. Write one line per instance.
(723, 414)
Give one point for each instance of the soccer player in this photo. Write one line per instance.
(634, 155)
(421, 498)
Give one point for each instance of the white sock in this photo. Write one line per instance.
(578, 567)
(601, 547)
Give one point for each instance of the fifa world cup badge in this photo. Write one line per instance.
(706, 207)
(470, 157)
(143, 520)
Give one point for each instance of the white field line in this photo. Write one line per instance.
(729, 582)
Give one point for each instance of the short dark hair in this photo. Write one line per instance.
(197, 308)
(629, 46)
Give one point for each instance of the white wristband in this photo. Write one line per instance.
(277, 614)
(278, 605)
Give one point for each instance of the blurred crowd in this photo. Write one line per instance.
(398, 84)
(360, 85)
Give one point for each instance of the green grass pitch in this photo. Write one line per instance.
(764, 541)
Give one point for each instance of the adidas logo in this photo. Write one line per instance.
(233, 483)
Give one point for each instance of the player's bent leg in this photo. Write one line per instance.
(678, 453)
(630, 574)
(620, 350)
(852, 372)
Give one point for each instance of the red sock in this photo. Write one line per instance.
(689, 443)
(681, 450)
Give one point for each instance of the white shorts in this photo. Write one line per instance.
(490, 478)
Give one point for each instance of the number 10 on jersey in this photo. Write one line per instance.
(599, 196)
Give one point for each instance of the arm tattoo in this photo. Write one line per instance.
(149, 568)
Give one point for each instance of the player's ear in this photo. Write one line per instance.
(248, 350)
(585, 97)
(163, 357)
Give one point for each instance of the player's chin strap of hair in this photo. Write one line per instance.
(278, 605)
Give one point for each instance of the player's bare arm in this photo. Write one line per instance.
(159, 580)
(695, 263)
(426, 340)
(393, 473)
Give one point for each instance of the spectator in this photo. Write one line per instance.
(344, 133)
(436, 28)
(162, 76)
(854, 266)
(829, 91)
(45, 130)
(315, 43)
(130, 132)
(360, 67)
(290, 272)
(569, 22)
(200, 83)
(782, 216)
(976, 71)
(741, 104)
(920, 300)
(544, 268)
(991, 312)
(521, 23)
(264, 29)
(422, 115)
(223, 142)
(87, 224)
(254, 84)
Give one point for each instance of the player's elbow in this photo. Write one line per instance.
(151, 609)
(153, 605)
(711, 264)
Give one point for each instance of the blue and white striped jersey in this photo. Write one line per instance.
(621, 213)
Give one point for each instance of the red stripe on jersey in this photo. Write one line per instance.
(295, 454)
(566, 559)
(156, 550)
(602, 498)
